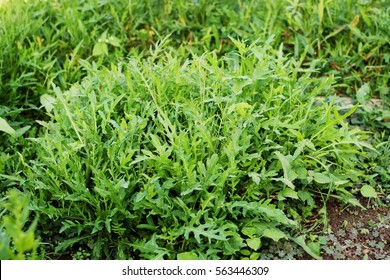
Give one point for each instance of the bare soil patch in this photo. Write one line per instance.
(357, 233)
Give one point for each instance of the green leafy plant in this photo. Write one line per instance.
(368, 191)
(15, 241)
(194, 130)
(169, 156)
(101, 47)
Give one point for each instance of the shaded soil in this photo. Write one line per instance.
(357, 234)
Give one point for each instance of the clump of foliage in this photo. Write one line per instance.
(44, 40)
(193, 134)
(162, 157)
(17, 243)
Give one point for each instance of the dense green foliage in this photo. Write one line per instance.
(188, 129)
(15, 243)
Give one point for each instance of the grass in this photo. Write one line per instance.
(198, 130)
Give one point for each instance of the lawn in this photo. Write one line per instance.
(194, 129)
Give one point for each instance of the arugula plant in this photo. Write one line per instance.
(162, 158)
(244, 123)
(44, 41)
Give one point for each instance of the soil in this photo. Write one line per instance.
(357, 234)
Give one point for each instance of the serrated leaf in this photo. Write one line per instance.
(151, 249)
(368, 191)
(352, 201)
(274, 233)
(48, 102)
(206, 230)
(256, 209)
(187, 256)
(254, 243)
(5, 127)
(69, 242)
(322, 178)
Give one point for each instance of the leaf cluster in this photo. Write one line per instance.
(158, 157)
